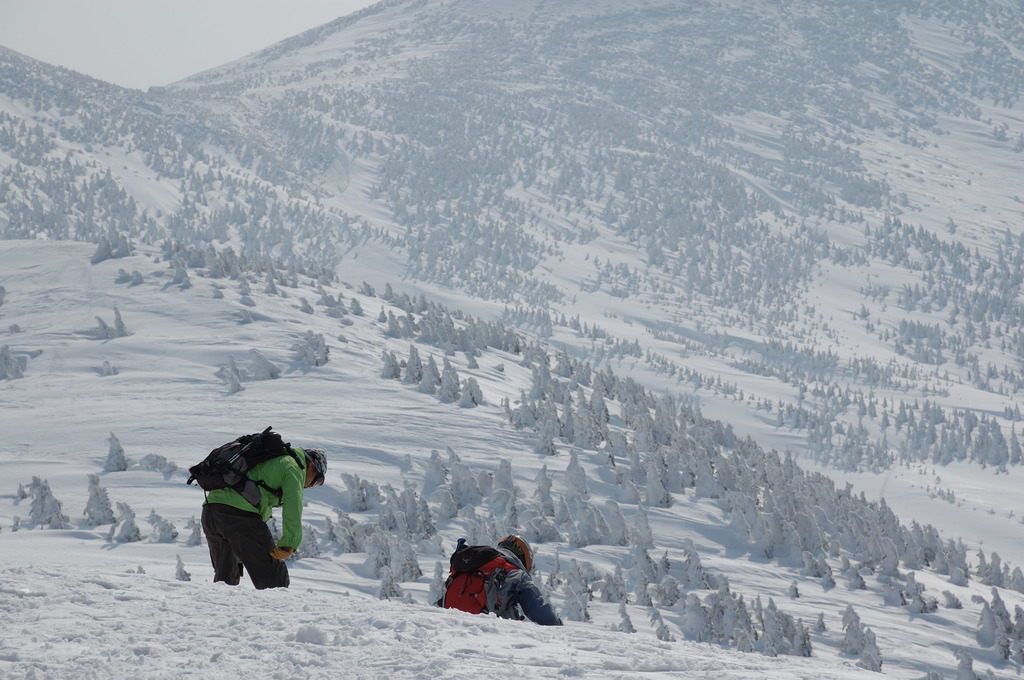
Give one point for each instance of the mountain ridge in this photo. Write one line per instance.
(802, 219)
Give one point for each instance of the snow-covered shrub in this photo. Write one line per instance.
(103, 251)
(180, 573)
(449, 390)
(362, 494)
(163, 530)
(126, 530)
(965, 666)
(543, 492)
(389, 588)
(181, 277)
(231, 376)
(625, 624)
(693, 575)
(443, 498)
(958, 577)
(116, 459)
(431, 376)
(854, 638)
(465, 485)
(310, 544)
(157, 463)
(413, 367)
(118, 331)
(46, 510)
(391, 369)
(642, 535)
(261, 368)
(661, 630)
(97, 509)
(436, 590)
(590, 527)
(342, 533)
(577, 595)
(576, 482)
(870, 656)
(614, 587)
(695, 624)
(387, 556)
(195, 532)
(802, 642)
(9, 366)
(312, 350)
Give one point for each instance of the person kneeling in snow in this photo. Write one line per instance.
(237, 532)
(497, 580)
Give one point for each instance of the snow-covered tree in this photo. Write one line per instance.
(413, 367)
(312, 349)
(986, 634)
(342, 533)
(195, 532)
(9, 366)
(180, 573)
(163, 530)
(126, 530)
(965, 666)
(231, 376)
(97, 509)
(642, 535)
(802, 643)
(120, 330)
(656, 493)
(614, 587)
(116, 459)
(625, 623)
(694, 576)
(310, 544)
(577, 595)
(391, 369)
(854, 639)
(695, 624)
(261, 368)
(870, 656)
(389, 588)
(448, 392)
(431, 376)
(104, 251)
(661, 630)
(577, 485)
(46, 510)
(471, 394)
(618, 531)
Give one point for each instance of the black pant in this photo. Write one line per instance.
(236, 536)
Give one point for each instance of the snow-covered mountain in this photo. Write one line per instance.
(665, 242)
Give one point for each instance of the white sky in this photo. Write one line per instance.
(140, 43)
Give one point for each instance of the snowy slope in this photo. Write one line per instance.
(78, 601)
(799, 222)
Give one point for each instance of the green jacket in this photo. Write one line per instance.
(278, 473)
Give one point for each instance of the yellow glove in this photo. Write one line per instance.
(281, 553)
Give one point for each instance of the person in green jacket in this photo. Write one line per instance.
(237, 532)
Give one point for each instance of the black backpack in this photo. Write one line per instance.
(226, 465)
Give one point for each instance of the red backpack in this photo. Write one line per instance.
(472, 569)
